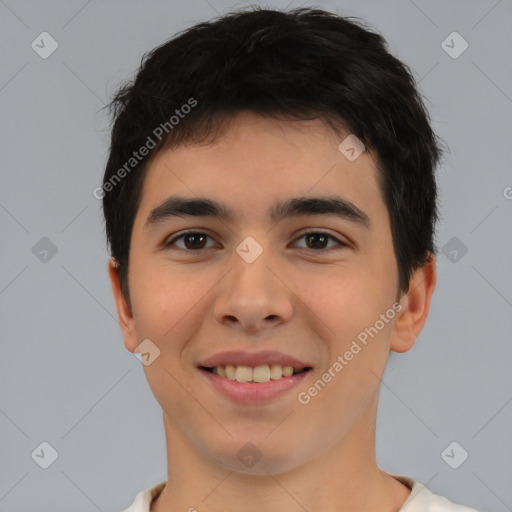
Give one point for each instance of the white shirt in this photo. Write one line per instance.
(421, 499)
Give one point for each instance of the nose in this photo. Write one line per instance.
(253, 296)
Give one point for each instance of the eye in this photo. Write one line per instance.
(197, 240)
(317, 240)
(192, 241)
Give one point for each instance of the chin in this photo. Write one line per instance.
(258, 457)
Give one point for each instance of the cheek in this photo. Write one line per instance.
(166, 309)
(164, 304)
(346, 301)
(348, 309)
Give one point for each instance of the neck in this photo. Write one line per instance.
(345, 478)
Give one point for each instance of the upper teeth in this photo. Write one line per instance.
(254, 374)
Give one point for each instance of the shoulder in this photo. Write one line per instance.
(423, 499)
(142, 502)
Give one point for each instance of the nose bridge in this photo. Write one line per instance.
(251, 279)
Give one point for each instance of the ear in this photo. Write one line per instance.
(415, 307)
(123, 307)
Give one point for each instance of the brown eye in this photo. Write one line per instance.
(194, 241)
(317, 241)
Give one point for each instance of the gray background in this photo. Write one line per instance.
(66, 377)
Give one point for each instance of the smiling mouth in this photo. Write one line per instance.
(255, 374)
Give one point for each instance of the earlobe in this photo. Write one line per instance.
(124, 311)
(415, 307)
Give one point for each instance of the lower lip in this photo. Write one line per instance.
(254, 393)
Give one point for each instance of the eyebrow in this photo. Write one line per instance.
(176, 206)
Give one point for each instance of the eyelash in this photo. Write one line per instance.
(186, 233)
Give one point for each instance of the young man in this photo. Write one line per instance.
(270, 205)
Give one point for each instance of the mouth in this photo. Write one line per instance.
(253, 378)
(255, 374)
(254, 385)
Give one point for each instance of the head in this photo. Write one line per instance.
(249, 111)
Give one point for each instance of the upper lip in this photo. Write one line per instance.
(245, 358)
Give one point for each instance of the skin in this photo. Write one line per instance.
(306, 302)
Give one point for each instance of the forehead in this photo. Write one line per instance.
(258, 162)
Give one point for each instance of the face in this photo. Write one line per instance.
(258, 280)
